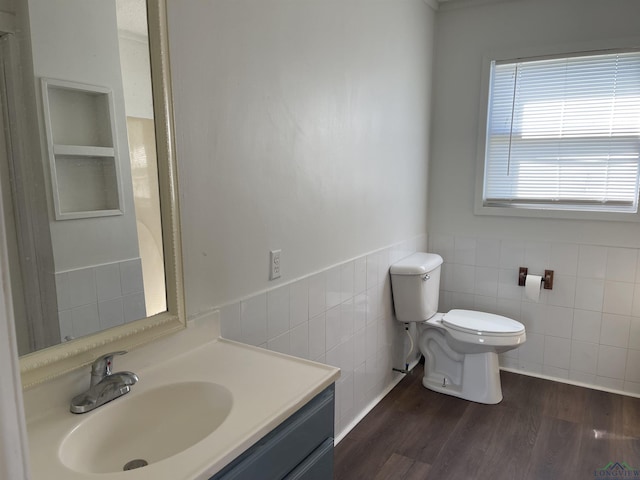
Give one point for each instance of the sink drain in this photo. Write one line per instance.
(133, 464)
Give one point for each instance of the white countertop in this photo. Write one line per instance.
(267, 387)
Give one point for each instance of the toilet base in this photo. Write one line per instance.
(472, 376)
(480, 379)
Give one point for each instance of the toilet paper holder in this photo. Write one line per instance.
(547, 278)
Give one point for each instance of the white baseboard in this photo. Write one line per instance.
(366, 410)
(372, 405)
(570, 382)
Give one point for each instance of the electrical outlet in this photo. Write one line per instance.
(275, 264)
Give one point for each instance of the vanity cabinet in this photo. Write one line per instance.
(301, 448)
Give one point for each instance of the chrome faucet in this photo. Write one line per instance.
(105, 385)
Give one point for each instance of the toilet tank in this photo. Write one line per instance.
(415, 283)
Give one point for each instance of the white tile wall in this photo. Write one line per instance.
(634, 335)
(278, 304)
(134, 307)
(111, 312)
(131, 276)
(299, 303)
(587, 326)
(342, 316)
(82, 287)
(85, 319)
(253, 319)
(94, 298)
(108, 281)
(586, 329)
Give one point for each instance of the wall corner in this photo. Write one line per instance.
(432, 3)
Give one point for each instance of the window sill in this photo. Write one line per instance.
(480, 209)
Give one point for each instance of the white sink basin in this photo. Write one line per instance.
(151, 426)
(198, 405)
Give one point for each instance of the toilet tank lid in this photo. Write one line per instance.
(416, 264)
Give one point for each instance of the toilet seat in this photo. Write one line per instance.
(481, 323)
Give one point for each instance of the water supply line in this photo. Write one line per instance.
(406, 360)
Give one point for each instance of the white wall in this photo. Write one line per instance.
(67, 45)
(463, 37)
(586, 328)
(304, 126)
(7, 6)
(136, 75)
(301, 126)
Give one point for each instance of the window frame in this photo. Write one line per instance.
(485, 85)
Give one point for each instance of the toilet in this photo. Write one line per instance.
(460, 347)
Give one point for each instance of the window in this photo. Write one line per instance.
(564, 133)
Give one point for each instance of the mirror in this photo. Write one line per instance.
(89, 181)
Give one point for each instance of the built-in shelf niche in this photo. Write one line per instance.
(83, 153)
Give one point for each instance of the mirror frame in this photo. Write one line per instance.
(49, 363)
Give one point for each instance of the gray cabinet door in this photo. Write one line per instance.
(278, 453)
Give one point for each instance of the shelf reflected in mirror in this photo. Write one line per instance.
(89, 180)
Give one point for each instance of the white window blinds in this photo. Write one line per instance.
(564, 133)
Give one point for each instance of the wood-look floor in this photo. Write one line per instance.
(541, 430)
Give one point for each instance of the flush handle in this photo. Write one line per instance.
(425, 277)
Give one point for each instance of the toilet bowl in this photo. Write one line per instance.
(461, 350)
(460, 347)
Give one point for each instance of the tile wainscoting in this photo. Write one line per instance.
(586, 330)
(342, 316)
(98, 297)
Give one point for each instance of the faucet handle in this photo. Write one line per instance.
(101, 367)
